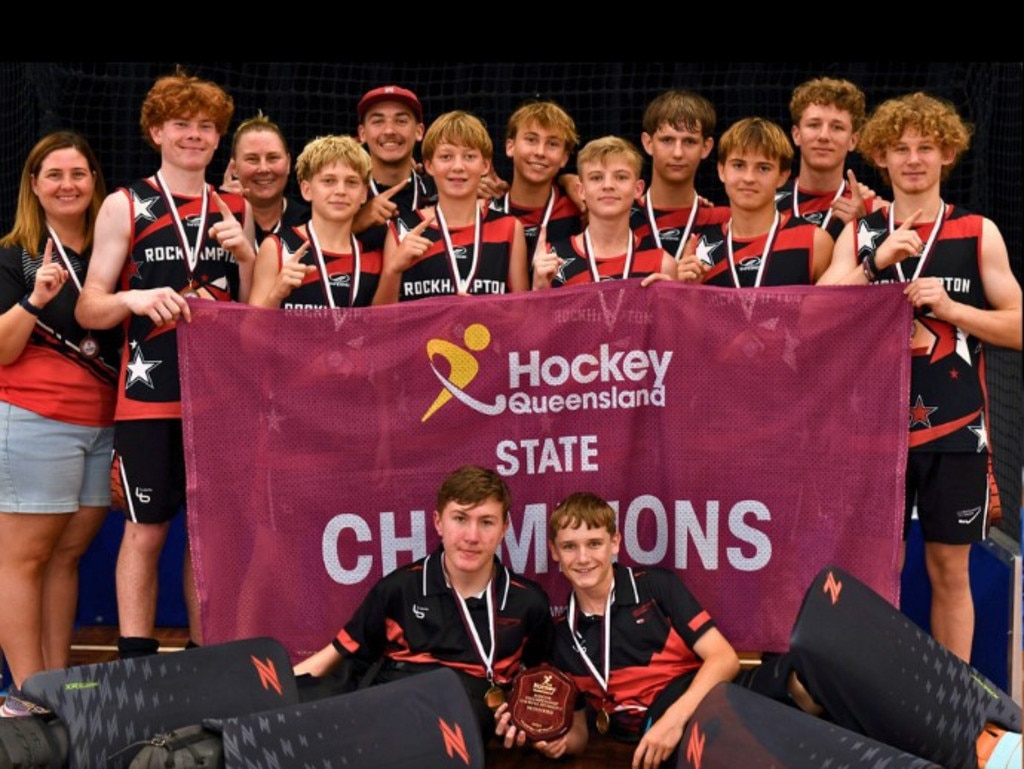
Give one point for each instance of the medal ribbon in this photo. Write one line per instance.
(606, 627)
(321, 264)
(460, 284)
(940, 218)
(686, 233)
(544, 220)
(592, 262)
(768, 243)
(416, 185)
(87, 346)
(65, 261)
(828, 214)
(191, 252)
(486, 655)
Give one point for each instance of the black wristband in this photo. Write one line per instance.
(872, 265)
(29, 307)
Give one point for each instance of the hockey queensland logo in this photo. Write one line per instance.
(539, 382)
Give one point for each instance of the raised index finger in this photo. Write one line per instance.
(542, 242)
(390, 192)
(223, 207)
(427, 221)
(295, 255)
(911, 220)
(854, 187)
(48, 252)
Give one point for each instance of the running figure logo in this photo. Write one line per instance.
(463, 368)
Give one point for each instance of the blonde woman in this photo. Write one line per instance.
(56, 408)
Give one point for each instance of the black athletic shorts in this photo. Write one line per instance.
(952, 493)
(150, 459)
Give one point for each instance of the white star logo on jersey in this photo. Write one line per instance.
(142, 207)
(706, 251)
(868, 238)
(139, 368)
(287, 253)
(980, 432)
(563, 267)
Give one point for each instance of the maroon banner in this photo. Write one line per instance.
(745, 437)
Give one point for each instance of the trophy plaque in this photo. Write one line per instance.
(541, 702)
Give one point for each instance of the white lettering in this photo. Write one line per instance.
(630, 536)
(608, 366)
(562, 454)
(331, 547)
(649, 536)
(739, 528)
(534, 530)
(705, 540)
(391, 544)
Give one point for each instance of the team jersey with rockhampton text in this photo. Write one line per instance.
(149, 386)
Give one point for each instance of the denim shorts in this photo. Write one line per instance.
(48, 466)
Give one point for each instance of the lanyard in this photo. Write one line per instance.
(486, 655)
(939, 219)
(606, 626)
(828, 215)
(686, 233)
(544, 220)
(191, 252)
(592, 261)
(460, 284)
(318, 255)
(769, 242)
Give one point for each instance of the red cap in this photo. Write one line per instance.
(390, 93)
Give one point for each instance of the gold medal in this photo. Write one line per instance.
(89, 347)
(494, 697)
(604, 721)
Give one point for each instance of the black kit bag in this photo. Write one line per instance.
(198, 746)
(734, 727)
(34, 742)
(110, 705)
(877, 673)
(423, 721)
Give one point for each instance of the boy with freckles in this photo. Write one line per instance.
(159, 241)
(965, 296)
